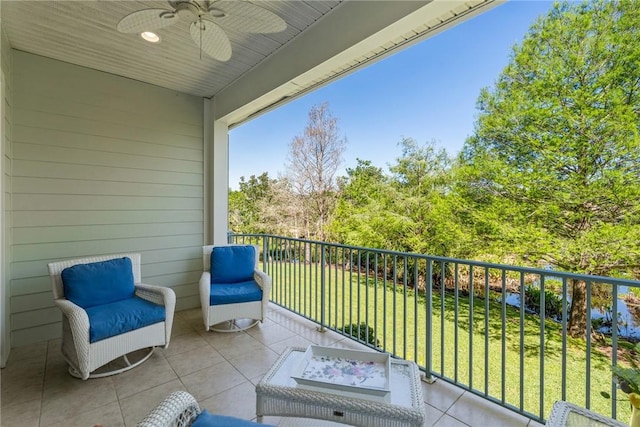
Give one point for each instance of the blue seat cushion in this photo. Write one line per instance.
(232, 264)
(234, 293)
(207, 419)
(98, 283)
(109, 320)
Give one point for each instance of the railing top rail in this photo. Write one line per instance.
(436, 258)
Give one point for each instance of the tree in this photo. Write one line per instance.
(245, 204)
(314, 158)
(421, 177)
(364, 214)
(556, 146)
(411, 210)
(282, 211)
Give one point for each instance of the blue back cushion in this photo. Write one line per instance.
(116, 318)
(99, 283)
(207, 419)
(232, 264)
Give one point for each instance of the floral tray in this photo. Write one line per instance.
(341, 369)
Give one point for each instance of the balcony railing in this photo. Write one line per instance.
(459, 320)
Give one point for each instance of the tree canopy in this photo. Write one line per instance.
(556, 146)
(557, 141)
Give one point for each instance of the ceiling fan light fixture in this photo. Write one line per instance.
(149, 36)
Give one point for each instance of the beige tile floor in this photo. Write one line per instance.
(219, 370)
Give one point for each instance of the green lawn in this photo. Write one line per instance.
(352, 298)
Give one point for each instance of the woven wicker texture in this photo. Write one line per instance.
(84, 357)
(566, 414)
(212, 315)
(179, 409)
(275, 398)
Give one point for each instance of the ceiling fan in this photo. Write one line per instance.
(209, 19)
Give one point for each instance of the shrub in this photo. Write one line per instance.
(552, 302)
(361, 332)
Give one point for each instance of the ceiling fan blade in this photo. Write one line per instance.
(211, 39)
(246, 17)
(148, 19)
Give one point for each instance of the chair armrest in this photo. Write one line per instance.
(204, 287)
(178, 409)
(264, 281)
(160, 295)
(79, 326)
(78, 319)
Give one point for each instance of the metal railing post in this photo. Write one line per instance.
(429, 335)
(322, 288)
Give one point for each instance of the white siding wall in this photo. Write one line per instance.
(101, 164)
(5, 213)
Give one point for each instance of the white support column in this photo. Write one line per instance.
(216, 172)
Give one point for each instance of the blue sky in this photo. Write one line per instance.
(427, 92)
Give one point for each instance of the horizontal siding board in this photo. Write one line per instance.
(28, 185)
(105, 217)
(45, 169)
(183, 291)
(25, 282)
(77, 107)
(36, 318)
(187, 303)
(62, 79)
(22, 303)
(175, 279)
(169, 267)
(174, 254)
(98, 158)
(41, 120)
(36, 334)
(61, 251)
(28, 235)
(32, 135)
(26, 202)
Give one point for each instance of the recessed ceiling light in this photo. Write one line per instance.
(150, 37)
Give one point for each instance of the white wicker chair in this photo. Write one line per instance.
(231, 313)
(85, 357)
(179, 409)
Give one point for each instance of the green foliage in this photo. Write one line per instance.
(245, 215)
(362, 216)
(409, 210)
(628, 378)
(553, 167)
(361, 332)
(552, 302)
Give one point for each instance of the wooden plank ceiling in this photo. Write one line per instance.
(84, 33)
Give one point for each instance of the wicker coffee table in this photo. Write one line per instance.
(278, 394)
(566, 414)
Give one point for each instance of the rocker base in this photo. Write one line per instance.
(74, 373)
(235, 325)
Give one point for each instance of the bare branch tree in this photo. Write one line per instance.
(314, 158)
